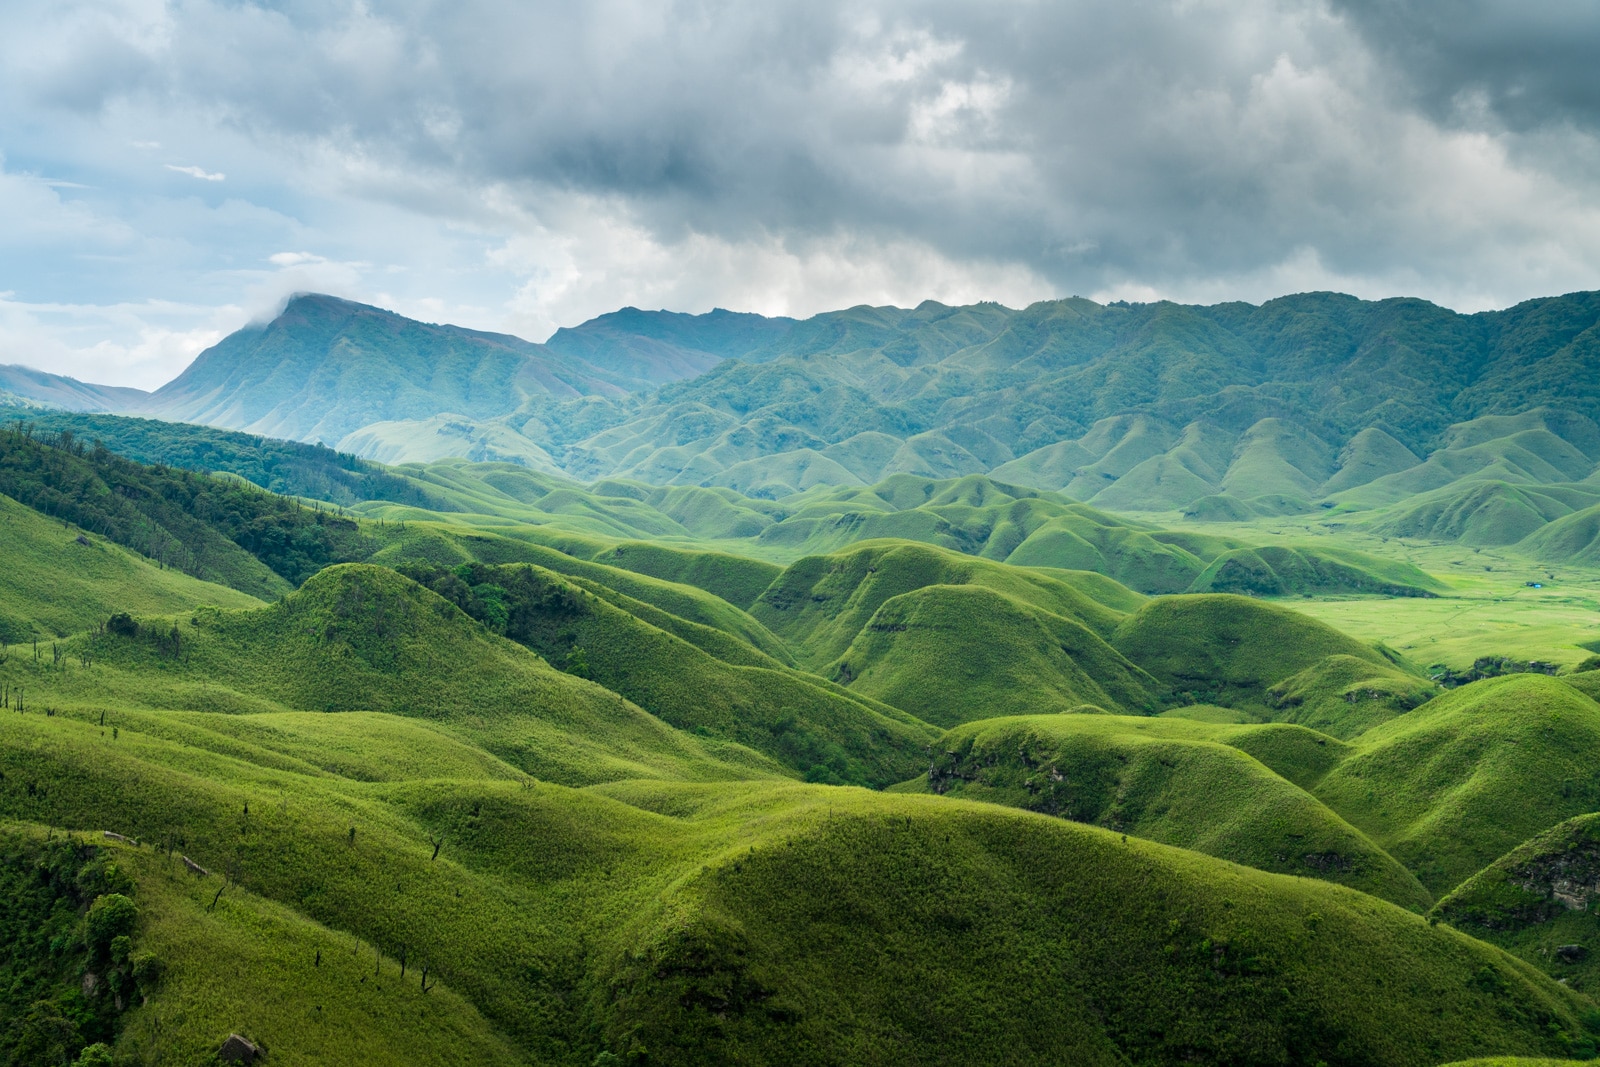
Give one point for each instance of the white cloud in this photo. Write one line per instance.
(198, 172)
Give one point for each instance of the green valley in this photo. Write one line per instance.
(1122, 684)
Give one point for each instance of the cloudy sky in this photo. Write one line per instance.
(169, 170)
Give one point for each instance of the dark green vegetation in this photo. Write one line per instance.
(70, 963)
(224, 532)
(287, 468)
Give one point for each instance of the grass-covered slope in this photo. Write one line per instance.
(362, 638)
(745, 922)
(58, 580)
(1538, 902)
(1449, 787)
(1181, 783)
(1346, 695)
(1482, 512)
(1228, 648)
(451, 546)
(801, 721)
(236, 964)
(953, 653)
(212, 528)
(1281, 570)
(287, 467)
(1571, 539)
(820, 603)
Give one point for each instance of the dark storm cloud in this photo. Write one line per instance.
(1533, 64)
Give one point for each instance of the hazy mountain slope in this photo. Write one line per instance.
(1285, 388)
(324, 368)
(68, 394)
(662, 346)
(1135, 406)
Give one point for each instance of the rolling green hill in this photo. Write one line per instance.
(763, 923)
(799, 720)
(1230, 648)
(362, 638)
(954, 653)
(1180, 783)
(1463, 779)
(819, 604)
(58, 580)
(1279, 570)
(208, 527)
(1537, 902)
(546, 741)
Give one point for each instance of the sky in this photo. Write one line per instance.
(170, 171)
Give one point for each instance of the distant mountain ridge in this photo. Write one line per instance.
(1222, 411)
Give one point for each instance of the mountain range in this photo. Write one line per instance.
(1221, 411)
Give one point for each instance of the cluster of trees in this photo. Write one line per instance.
(514, 601)
(181, 519)
(286, 467)
(1490, 667)
(72, 963)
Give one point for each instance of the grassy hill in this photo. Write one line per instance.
(765, 923)
(59, 580)
(1537, 902)
(1230, 648)
(954, 653)
(1463, 779)
(212, 528)
(799, 720)
(1180, 783)
(362, 638)
(1279, 570)
(819, 604)
(288, 468)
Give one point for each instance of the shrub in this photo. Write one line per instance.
(111, 917)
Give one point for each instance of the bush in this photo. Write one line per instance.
(122, 625)
(111, 917)
(95, 1055)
